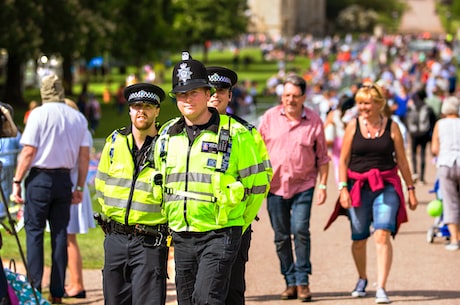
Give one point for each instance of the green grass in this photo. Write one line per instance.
(91, 244)
(258, 70)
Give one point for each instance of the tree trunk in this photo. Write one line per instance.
(206, 46)
(13, 94)
(67, 77)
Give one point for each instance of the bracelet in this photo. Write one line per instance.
(79, 188)
(17, 181)
(411, 188)
(342, 185)
(322, 186)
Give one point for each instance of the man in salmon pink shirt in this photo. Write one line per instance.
(294, 136)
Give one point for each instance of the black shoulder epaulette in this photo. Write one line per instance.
(243, 122)
(124, 131)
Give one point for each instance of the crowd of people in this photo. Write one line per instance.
(197, 182)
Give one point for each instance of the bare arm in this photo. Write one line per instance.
(435, 140)
(83, 164)
(402, 163)
(323, 172)
(344, 160)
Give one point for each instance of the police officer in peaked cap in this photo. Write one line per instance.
(128, 185)
(221, 77)
(223, 80)
(144, 93)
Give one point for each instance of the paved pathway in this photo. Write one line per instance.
(421, 17)
(422, 273)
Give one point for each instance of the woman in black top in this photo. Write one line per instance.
(370, 188)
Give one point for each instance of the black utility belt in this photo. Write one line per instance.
(189, 234)
(138, 229)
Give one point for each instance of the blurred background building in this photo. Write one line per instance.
(288, 17)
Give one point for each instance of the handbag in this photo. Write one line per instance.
(22, 288)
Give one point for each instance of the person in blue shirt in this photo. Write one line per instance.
(9, 149)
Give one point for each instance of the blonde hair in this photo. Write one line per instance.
(371, 91)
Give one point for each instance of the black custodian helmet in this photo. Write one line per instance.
(189, 74)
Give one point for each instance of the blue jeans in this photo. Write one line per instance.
(292, 217)
(377, 208)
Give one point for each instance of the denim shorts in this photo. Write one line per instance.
(378, 209)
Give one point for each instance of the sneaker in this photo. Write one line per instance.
(360, 289)
(381, 297)
(452, 247)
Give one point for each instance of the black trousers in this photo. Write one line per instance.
(48, 197)
(134, 270)
(422, 142)
(204, 262)
(237, 285)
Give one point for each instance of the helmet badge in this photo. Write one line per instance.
(184, 73)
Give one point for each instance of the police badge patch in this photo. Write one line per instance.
(184, 73)
(209, 147)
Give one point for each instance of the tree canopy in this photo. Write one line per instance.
(135, 32)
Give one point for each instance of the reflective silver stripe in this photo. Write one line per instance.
(192, 195)
(135, 205)
(126, 183)
(175, 177)
(256, 190)
(192, 177)
(252, 170)
(101, 175)
(99, 194)
(267, 164)
(176, 197)
(120, 182)
(143, 186)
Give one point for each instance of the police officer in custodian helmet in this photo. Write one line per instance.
(211, 168)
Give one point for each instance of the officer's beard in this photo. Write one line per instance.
(144, 125)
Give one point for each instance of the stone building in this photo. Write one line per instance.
(288, 17)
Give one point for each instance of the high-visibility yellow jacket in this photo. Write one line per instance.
(125, 196)
(261, 148)
(192, 197)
